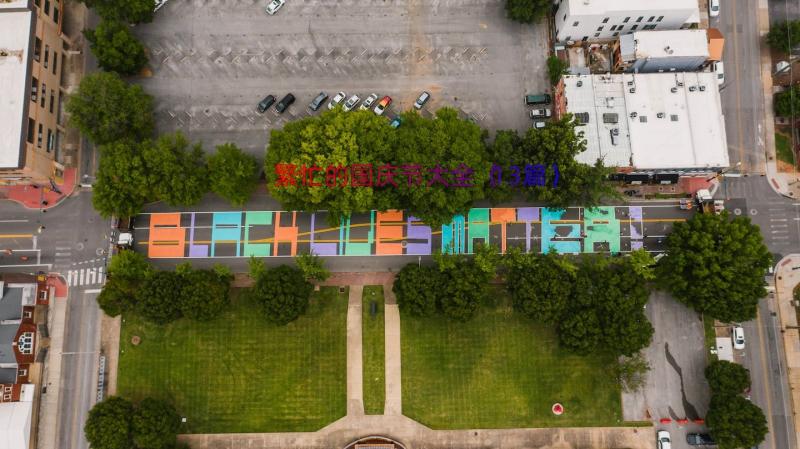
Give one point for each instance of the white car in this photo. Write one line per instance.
(719, 69)
(351, 103)
(663, 440)
(337, 100)
(274, 6)
(368, 102)
(713, 8)
(738, 337)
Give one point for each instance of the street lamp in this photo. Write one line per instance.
(723, 171)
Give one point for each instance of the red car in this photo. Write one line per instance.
(382, 105)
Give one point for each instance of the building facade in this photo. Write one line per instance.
(32, 53)
(604, 20)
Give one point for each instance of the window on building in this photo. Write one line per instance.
(46, 55)
(34, 89)
(31, 129)
(44, 93)
(565, 17)
(640, 18)
(605, 20)
(55, 61)
(596, 34)
(613, 27)
(615, 35)
(52, 99)
(28, 313)
(585, 38)
(599, 28)
(22, 372)
(626, 20)
(575, 24)
(660, 18)
(47, 7)
(55, 14)
(39, 137)
(37, 49)
(36, 2)
(619, 28)
(634, 27)
(651, 18)
(568, 38)
(51, 140)
(25, 343)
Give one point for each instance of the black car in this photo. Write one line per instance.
(699, 439)
(318, 101)
(265, 104)
(284, 103)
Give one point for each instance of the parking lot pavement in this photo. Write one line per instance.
(676, 387)
(212, 61)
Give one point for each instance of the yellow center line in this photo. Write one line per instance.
(15, 236)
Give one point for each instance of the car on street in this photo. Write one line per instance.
(396, 122)
(699, 439)
(366, 104)
(274, 6)
(337, 100)
(719, 68)
(541, 113)
(317, 102)
(713, 8)
(663, 440)
(738, 337)
(351, 103)
(382, 105)
(422, 99)
(264, 104)
(284, 103)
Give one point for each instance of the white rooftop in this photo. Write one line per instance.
(14, 41)
(15, 424)
(13, 4)
(664, 44)
(590, 7)
(664, 120)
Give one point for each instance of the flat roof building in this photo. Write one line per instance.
(661, 51)
(655, 122)
(599, 20)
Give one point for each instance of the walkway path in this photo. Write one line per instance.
(786, 277)
(355, 361)
(393, 402)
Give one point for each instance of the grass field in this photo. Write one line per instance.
(500, 370)
(373, 351)
(239, 373)
(783, 148)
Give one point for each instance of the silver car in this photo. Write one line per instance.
(351, 103)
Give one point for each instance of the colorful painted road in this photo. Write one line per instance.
(611, 229)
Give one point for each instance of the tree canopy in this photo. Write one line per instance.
(528, 11)
(155, 425)
(417, 289)
(735, 422)
(122, 187)
(716, 266)
(116, 423)
(204, 293)
(158, 298)
(312, 266)
(541, 285)
(784, 36)
(787, 103)
(233, 174)
(108, 425)
(106, 110)
(131, 11)
(556, 67)
(116, 48)
(283, 292)
(726, 377)
(176, 172)
(130, 266)
(126, 272)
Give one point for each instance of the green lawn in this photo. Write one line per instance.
(373, 347)
(783, 147)
(710, 337)
(500, 370)
(239, 373)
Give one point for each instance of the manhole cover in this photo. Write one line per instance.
(100, 251)
(737, 211)
(79, 246)
(753, 212)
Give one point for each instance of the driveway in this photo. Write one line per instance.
(212, 61)
(676, 387)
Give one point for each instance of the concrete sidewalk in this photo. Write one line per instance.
(47, 431)
(785, 280)
(355, 360)
(393, 404)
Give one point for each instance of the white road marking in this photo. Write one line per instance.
(80, 277)
(93, 290)
(62, 254)
(90, 276)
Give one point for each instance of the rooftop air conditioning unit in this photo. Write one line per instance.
(674, 90)
(660, 115)
(680, 83)
(692, 88)
(630, 83)
(702, 88)
(632, 90)
(634, 114)
(579, 83)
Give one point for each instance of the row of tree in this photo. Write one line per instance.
(339, 139)
(117, 423)
(732, 419)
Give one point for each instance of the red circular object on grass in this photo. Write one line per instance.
(557, 409)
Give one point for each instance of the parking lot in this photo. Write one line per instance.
(212, 61)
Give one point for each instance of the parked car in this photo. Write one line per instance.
(351, 102)
(284, 103)
(719, 68)
(274, 6)
(541, 113)
(663, 440)
(738, 337)
(713, 8)
(699, 439)
(396, 122)
(368, 102)
(539, 124)
(422, 99)
(382, 105)
(537, 99)
(337, 100)
(265, 104)
(317, 102)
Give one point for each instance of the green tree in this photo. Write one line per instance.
(131, 11)
(155, 425)
(727, 378)
(129, 266)
(643, 264)
(109, 424)
(556, 67)
(541, 285)
(505, 150)
(417, 289)
(631, 372)
(122, 187)
(580, 331)
(716, 266)
(312, 266)
(176, 172)
(784, 36)
(233, 174)
(527, 11)
(735, 422)
(158, 298)
(787, 103)
(283, 293)
(465, 288)
(126, 272)
(116, 297)
(116, 48)
(105, 109)
(487, 258)
(204, 293)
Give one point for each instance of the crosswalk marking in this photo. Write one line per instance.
(86, 276)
